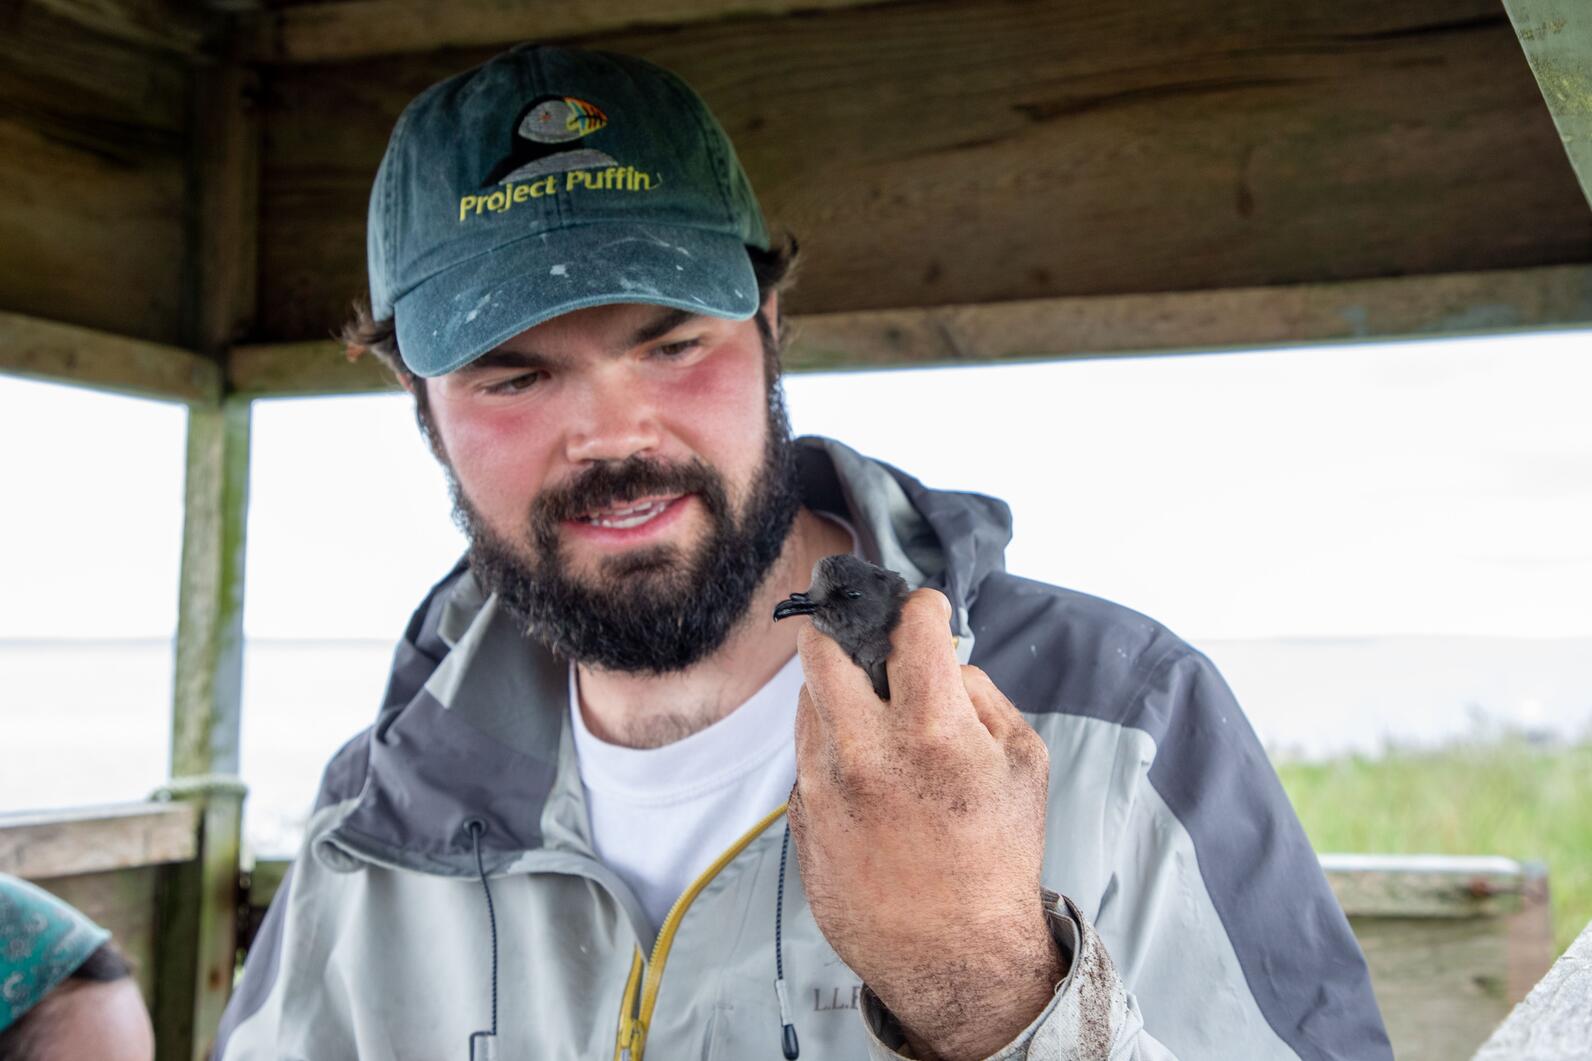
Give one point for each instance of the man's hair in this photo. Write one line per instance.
(25, 1040)
(774, 268)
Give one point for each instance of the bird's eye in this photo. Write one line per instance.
(852, 594)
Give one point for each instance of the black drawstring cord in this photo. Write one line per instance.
(483, 1045)
(788, 1031)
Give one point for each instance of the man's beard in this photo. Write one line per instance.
(655, 609)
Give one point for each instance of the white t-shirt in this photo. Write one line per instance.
(660, 816)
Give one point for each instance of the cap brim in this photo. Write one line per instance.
(459, 314)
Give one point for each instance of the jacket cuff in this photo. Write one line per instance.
(1082, 1021)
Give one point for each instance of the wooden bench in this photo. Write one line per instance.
(1452, 942)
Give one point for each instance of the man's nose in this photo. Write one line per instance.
(613, 419)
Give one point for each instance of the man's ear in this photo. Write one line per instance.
(771, 310)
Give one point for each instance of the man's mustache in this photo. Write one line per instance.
(610, 483)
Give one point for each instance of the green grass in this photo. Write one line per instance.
(1500, 798)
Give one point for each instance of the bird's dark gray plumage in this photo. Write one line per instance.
(855, 604)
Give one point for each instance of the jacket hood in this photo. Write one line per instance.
(473, 722)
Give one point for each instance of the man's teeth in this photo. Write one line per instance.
(622, 518)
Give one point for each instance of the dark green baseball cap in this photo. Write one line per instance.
(548, 180)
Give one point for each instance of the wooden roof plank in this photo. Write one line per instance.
(1084, 327)
(93, 176)
(957, 152)
(358, 29)
(65, 353)
(1557, 38)
(181, 29)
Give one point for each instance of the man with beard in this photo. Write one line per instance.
(566, 834)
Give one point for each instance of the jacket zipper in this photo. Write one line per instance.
(627, 1010)
(635, 1015)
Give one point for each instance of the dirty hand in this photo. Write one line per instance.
(919, 824)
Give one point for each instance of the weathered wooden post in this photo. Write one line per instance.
(199, 910)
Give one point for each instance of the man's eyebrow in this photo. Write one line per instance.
(507, 359)
(666, 321)
(661, 325)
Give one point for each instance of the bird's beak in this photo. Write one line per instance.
(795, 604)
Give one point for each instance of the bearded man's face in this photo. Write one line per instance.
(626, 478)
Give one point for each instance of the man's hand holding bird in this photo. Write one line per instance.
(919, 824)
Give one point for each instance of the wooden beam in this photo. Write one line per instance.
(357, 29)
(199, 920)
(94, 136)
(280, 370)
(60, 843)
(1431, 885)
(1557, 38)
(200, 901)
(224, 183)
(182, 29)
(64, 353)
(954, 152)
(209, 664)
(1411, 307)
(1198, 321)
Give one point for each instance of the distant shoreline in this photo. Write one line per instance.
(1294, 641)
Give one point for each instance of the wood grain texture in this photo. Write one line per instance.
(222, 254)
(185, 29)
(1097, 326)
(67, 842)
(1557, 38)
(953, 152)
(93, 174)
(1554, 1022)
(276, 370)
(65, 353)
(198, 911)
(1439, 982)
(1432, 885)
(352, 29)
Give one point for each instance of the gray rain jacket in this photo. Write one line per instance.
(1198, 920)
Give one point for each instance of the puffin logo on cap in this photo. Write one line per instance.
(549, 137)
(556, 120)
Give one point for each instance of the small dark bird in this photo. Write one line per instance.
(857, 606)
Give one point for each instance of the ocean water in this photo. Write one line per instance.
(87, 721)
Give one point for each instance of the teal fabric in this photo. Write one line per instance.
(549, 180)
(42, 941)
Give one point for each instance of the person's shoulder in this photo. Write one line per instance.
(418, 653)
(1057, 650)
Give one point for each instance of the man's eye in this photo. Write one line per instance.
(514, 384)
(677, 349)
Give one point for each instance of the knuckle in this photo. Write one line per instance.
(1028, 749)
(976, 680)
(927, 605)
(854, 774)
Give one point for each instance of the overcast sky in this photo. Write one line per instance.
(1435, 488)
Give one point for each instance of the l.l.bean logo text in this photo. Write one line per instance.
(837, 998)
